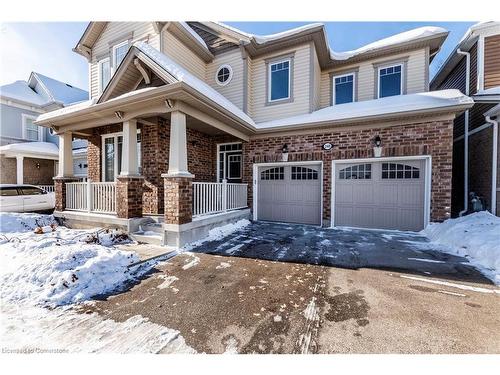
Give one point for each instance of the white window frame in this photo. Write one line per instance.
(400, 81)
(229, 176)
(25, 133)
(115, 47)
(353, 86)
(218, 159)
(99, 73)
(103, 159)
(228, 67)
(269, 81)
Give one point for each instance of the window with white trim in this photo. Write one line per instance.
(277, 173)
(279, 80)
(113, 150)
(31, 131)
(356, 172)
(223, 75)
(391, 171)
(104, 73)
(390, 80)
(303, 173)
(119, 52)
(343, 88)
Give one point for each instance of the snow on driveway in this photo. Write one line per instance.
(475, 236)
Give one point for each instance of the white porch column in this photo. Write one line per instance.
(129, 152)
(177, 162)
(65, 155)
(20, 169)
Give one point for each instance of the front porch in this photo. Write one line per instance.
(166, 173)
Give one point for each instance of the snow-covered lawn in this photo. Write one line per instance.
(48, 272)
(475, 236)
(55, 265)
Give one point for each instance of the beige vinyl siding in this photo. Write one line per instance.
(250, 87)
(300, 90)
(182, 55)
(317, 81)
(234, 89)
(415, 80)
(114, 31)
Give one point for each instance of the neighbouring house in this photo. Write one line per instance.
(28, 152)
(474, 68)
(192, 125)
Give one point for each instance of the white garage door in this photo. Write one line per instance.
(290, 193)
(385, 195)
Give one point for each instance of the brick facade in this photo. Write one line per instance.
(426, 138)
(129, 197)
(60, 191)
(178, 200)
(35, 171)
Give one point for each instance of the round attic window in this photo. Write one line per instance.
(223, 75)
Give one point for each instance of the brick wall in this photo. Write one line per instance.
(35, 171)
(8, 174)
(426, 138)
(179, 198)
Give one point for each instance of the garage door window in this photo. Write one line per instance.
(302, 173)
(277, 173)
(356, 172)
(399, 171)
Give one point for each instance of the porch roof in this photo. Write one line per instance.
(41, 150)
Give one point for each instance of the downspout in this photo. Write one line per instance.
(494, 162)
(466, 133)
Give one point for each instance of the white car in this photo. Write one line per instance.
(25, 198)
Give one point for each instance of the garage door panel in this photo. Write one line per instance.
(291, 196)
(386, 195)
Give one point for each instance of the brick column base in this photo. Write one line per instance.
(60, 191)
(178, 199)
(129, 196)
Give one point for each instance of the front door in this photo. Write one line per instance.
(230, 162)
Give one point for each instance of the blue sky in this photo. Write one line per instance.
(47, 47)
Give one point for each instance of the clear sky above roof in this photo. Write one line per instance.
(47, 47)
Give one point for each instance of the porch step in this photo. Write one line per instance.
(145, 237)
(152, 227)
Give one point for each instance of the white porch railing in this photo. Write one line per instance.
(99, 197)
(215, 197)
(47, 188)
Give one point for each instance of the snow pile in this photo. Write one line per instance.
(58, 267)
(405, 37)
(39, 148)
(476, 236)
(219, 233)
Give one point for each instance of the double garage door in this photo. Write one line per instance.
(381, 194)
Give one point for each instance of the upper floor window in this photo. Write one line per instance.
(224, 75)
(119, 52)
(343, 88)
(104, 73)
(390, 80)
(279, 80)
(31, 131)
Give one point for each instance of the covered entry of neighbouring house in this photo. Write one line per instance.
(385, 194)
(289, 193)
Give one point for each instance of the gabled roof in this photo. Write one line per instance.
(50, 91)
(177, 79)
(430, 36)
(465, 44)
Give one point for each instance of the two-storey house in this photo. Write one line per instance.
(190, 123)
(474, 68)
(28, 152)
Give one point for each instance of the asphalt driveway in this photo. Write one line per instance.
(275, 288)
(345, 248)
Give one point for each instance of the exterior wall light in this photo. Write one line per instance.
(284, 151)
(37, 165)
(377, 149)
